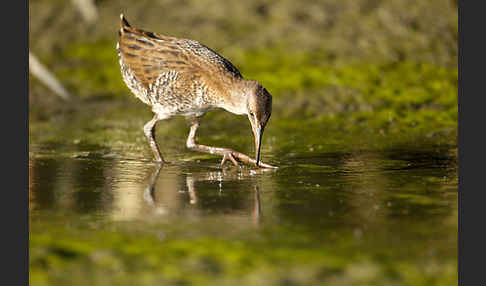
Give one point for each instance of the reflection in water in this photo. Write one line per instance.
(190, 189)
(129, 190)
(159, 203)
(257, 207)
(381, 196)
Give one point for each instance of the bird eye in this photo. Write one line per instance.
(251, 113)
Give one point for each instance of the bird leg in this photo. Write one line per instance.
(228, 154)
(149, 130)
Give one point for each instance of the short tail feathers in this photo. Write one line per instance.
(123, 24)
(123, 21)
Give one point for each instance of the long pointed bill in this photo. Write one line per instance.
(258, 133)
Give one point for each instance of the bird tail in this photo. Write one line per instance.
(123, 23)
(125, 27)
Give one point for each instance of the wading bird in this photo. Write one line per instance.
(183, 77)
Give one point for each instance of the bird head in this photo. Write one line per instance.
(259, 109)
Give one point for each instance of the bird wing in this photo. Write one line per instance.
(149, 55)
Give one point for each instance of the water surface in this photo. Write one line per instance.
(382, 214)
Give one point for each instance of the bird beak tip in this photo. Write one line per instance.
(258, 143)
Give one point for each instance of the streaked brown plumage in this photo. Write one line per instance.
(183, 77)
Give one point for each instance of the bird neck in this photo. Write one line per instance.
(237, 99)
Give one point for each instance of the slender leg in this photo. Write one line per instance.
(228, 154)
(149, 130)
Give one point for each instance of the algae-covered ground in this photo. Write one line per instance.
(363, 128)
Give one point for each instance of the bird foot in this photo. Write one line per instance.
(235, 156)
(261, 164)
(229, 155)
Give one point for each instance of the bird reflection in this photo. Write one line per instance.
(191, 190)
(148, 194)
(257, 207)
(194, 204)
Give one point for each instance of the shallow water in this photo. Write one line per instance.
(312, 191)
(388, 211)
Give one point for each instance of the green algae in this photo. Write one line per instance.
(93, 69)
(404, 99)
(293, 78)
(131, 257)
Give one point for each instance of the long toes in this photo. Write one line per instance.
(268, 166)
(263, 165)
(230, 157)
(233, 159)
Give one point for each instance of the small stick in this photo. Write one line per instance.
(46, 77)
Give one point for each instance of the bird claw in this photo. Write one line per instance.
(229, 156)
(235, 156)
